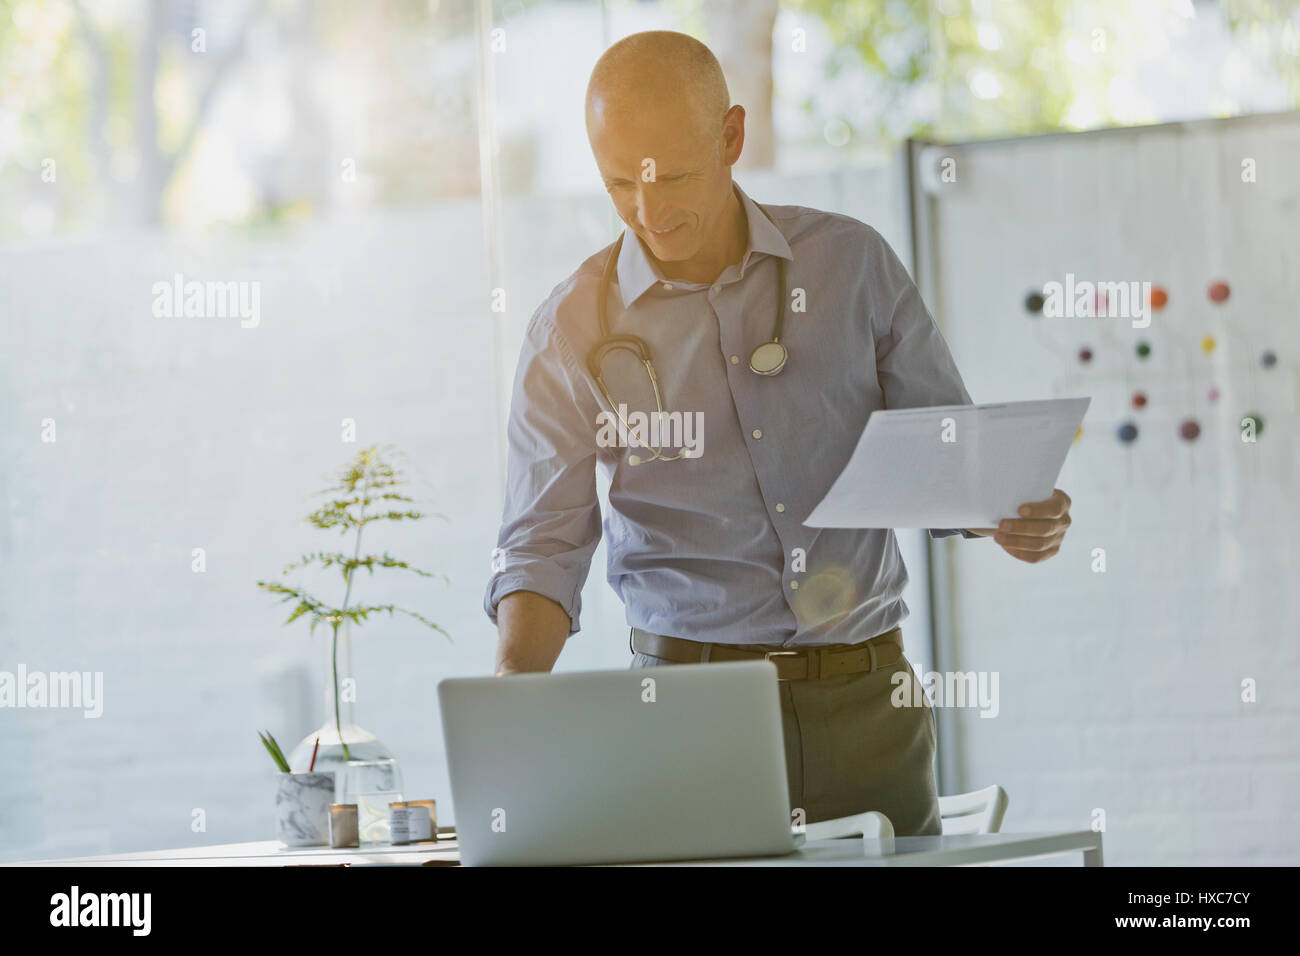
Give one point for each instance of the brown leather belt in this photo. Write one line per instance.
(795, 663)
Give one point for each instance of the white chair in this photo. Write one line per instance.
(979, 811)
(873, 825)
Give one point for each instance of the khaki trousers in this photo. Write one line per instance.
(849, 750)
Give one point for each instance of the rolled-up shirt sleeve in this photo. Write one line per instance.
(551, 521)
(913, 364)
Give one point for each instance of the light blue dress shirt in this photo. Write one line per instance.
(713, 547)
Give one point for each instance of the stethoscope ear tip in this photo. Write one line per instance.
(634, 460)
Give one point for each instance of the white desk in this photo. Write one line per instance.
(964, 850)
(267, 853)
(906, 851)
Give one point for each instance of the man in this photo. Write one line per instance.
(707, 546)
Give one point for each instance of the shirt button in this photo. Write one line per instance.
(794, 585)
(717, 288)
(735, 360)
(780, 507)
(757, 433)
(668, 287)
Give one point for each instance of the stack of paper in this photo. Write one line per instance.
(951, 466)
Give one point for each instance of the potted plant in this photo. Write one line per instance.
(302, 800)
(365, 491)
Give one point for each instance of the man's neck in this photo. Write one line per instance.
(722, 251)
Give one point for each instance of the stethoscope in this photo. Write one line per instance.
(766, 359)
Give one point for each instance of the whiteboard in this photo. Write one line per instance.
(1121, 683)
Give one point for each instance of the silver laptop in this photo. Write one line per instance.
(660, 763)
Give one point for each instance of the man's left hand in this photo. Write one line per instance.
(1037, 534)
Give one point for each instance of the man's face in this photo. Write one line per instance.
(669, 179)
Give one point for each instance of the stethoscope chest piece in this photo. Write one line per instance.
(768, 359)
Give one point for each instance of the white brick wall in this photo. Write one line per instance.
(1118, 691)
(197, 433)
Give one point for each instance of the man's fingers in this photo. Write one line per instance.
(1037, 527)
(1028, 542)
(1033, 557)
(1053, 507)
(1037, 534)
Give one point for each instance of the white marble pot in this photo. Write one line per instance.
(302, 808)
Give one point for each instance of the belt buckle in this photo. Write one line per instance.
(768, 655)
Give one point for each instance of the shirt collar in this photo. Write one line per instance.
(636, 273)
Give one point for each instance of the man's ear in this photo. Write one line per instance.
(733, 134)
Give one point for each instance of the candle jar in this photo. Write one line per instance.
(413, 821)
(343, 825)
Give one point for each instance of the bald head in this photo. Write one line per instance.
(664, 137)
(658, 71)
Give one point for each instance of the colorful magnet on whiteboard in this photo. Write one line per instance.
(1189, 430)
(1257, 419)
(1085, 355)
(1159, 297)
(1127, 432)
(1268, 359)
(1034, 302)
(1207, 344)
(1212, 394)
(1139, 399)
(1219, 291)
(1143, 349)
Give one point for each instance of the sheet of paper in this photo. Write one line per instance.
(951, 466)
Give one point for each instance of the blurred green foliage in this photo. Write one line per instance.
(106, 108)
(1039, 59)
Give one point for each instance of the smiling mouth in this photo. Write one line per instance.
(664, 232)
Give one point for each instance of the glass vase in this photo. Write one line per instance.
(360, 762)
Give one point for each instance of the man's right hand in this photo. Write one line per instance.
(531, 633)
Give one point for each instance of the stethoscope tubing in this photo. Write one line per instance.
(774, 351)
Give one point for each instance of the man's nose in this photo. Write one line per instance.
(651, 210)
